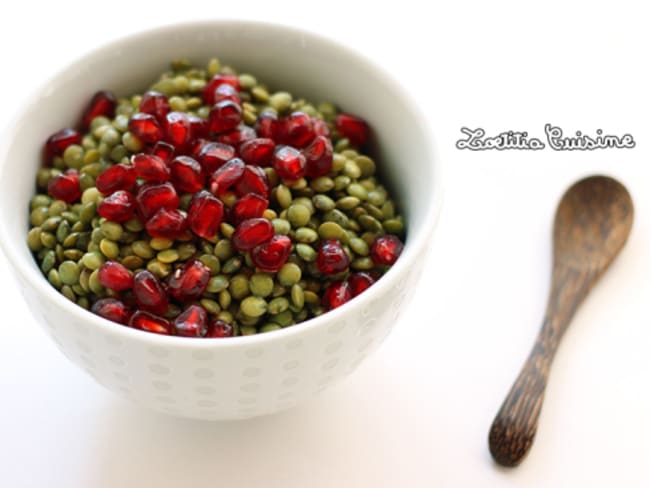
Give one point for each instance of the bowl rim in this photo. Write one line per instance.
(415, 244)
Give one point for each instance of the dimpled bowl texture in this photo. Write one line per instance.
(245, 376)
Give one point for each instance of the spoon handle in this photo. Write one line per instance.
(515, 425)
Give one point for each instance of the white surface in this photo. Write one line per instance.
(417, 412)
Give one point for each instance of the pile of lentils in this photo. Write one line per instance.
(210, 206)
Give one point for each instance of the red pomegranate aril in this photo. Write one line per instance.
(199, 127)
(112, 309)
(352, 127)
(249, 207)
(153, 196)
(117, 177)
(102, 104)
(319, 157)
(386, 249)
(115, 276)
(336, 294)
(151, 323)
(145, 127)
(150, 167)
(187, 174)
(218, 328)
(204, 214)
(189, 281)
(266, 125)
(295, 130)
(65, 186)
(332, 258)
(164, 151)
(149, 292)
(192, 322)
(215, 81)
(253, 180)
(58, 142)
(226, 176)
(156, 104)
(257, 151)
(289, 163)
(238, 136)
(360, 282)
(271, 256)
(178, 129)
(117, 207)
(224, 116)
(214, 155)
(226, 92)
(170, 224)
(320, 127)
(251, 233)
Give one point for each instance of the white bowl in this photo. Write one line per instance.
(244, 376)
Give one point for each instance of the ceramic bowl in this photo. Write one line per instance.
(243, 376)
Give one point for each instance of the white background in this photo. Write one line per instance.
(417, 412)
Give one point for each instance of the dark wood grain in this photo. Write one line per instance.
(592, 223)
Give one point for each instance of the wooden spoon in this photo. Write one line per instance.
(592, 223)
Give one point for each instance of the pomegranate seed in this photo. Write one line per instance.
(112, 309)
(251, 233)
(149, 292)
(257, 151)
(319, 156)
(226, 92)
(354, 128)
(295, 130)
(253, 180)
(219, 79)
(115, 276)
(249, 207)
(145, 127)
(266, 125)
(224, 116)
(178, 129)
(170, 224)
(332, 258)
(189, 281)
(151, 323)
(156, 104)
(320, 127)
(198, 126)
(117, 177)
(238, 136)
(226, 176)
(271, 256)
(65, 186)
(153, 196)
(360, 282)
(289, 163)
(214, 155)
(218, 328)
(192, 322)
(58, 142)
(118, 206)
(204, 214)
(102, 104)
(386, 249)
(336, 294)
(150, 167)
(197, 147)
(164, 151)
(187, 174)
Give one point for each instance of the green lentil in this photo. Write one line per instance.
(362, 264)
(34, 239)
(347, 203)
(131, 142)
(224, 301)
(323, 202)
(281, 226)
(212, 262)
(246, 330)
(54, 278)
(92, 260)
(357, 190)
(224, 249)
(311, 298)
(67, 292)
(269, 327)
(332, 230)
(388, 209)
(94, 283)
(217, 283)
(167, 256)
(232, 265)
(160, 243)
(210, 306)
(306, 235)
(133, 225)
(161, 270)
(298, 215)
(239, 287)
(261, 284)
(111, 230)
(393, 226)
(48, 239)
(306, 252)
(359, 246)
(374, 211)
(142, 249)
(297, 296)
(280, 101)
(91, 195)
(73, 254)
(289, 274)
(109, 248)
(284, 319)
(69, 272)
(283, 196)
